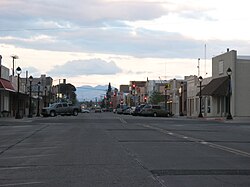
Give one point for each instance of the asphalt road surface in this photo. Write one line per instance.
(110, 150)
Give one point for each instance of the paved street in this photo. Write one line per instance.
(106, 149)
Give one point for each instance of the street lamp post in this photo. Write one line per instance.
(200, 80)
(165, 98)
(18, 71)
(38, 99)
(181, 98)
(45, 96)
(229, 73)
(30, 103)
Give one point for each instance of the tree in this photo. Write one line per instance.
(108, 95)
(156, 98)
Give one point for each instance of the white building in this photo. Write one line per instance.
(221, 90)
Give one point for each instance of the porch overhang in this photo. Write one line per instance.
(216, 87)
(6, 85)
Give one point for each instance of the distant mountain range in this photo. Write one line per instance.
(87, 93)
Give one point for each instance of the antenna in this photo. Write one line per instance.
(205, 57)
(198, 67)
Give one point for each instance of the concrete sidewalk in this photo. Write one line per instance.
(13, 119)
(221, 119)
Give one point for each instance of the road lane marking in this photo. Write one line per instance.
(122, 120)
(200, 141)
(204, 142)
(229, 149)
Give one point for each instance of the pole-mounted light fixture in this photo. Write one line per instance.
(229, 73)
(30, 103)
(200, 80)
(18, 72)
(38, 99)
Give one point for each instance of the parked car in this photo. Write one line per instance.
(60, 109)
(84, 110)
(121, 109)
(137, 110)
(98, 109)
(153, 110)
(128, 111)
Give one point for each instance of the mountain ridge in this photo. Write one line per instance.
(87, 93)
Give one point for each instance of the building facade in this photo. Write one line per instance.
(7, 92)
(237, 88)
(226, 93)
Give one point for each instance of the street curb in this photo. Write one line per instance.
(13, 119)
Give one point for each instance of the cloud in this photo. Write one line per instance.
(31, 71)
(87, 10)
(101, 26)
(85, 67)
(138, 72)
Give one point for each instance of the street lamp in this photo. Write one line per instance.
(181, 98)
(18, 71)
(45, 96)
(38, 99)
(30, 112)
(229, 73)
(200, 80)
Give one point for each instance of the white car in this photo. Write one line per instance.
(98, 110)
(84, 110)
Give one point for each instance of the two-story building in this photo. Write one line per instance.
(229, 91)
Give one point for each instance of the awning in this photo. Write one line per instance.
(216, 87)
(6, 85)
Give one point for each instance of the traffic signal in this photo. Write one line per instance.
(145, 99)
(133, 86)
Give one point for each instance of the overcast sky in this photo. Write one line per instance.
(94, 42)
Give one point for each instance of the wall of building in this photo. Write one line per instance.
(191, 95)
(4, 95)
(220, 64)
(242, 87)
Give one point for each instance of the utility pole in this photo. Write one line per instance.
(13, 63)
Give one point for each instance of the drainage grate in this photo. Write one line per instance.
(200, 172)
